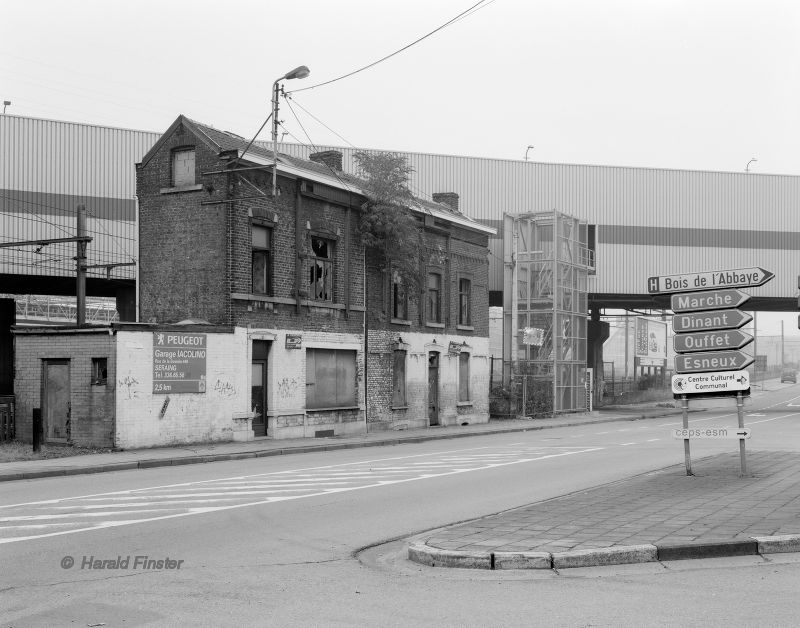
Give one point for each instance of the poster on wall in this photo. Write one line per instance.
(179, 362)
(651, 342)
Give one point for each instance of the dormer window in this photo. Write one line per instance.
(183, 167)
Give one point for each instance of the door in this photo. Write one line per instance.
(258, 389)
(57, 409)
(433, 388)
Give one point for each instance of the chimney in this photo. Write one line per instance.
(331, 158)
(448, 198)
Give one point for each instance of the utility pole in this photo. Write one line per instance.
(80, 262)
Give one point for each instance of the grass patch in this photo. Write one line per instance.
(15, 451)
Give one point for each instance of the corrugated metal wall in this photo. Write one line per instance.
(47, 169)
(649, 221)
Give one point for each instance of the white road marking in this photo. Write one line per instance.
(99, 511)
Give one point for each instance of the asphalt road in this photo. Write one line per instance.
(275, 541)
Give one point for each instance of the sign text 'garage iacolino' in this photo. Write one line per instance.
(179, 362)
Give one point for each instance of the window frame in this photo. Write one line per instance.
(461, 321)
(176, 152)
(258, 250)
(329, 262)
(398, 296)
(438, 318)
(99, 375)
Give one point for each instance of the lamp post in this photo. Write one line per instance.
(298, 73)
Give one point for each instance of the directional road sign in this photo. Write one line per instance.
(711, 340)
(718, 382)
(711, 432)
(710, 300)
(712, 361)
(692, 282)
(706, 321)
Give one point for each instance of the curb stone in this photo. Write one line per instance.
(424, 554)
(622, 555)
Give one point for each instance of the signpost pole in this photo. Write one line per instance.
(740, 415)
(686, 452)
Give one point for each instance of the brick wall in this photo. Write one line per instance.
(463, 254)
(92, 406)
(182, 243)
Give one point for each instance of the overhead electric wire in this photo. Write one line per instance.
(461, 15)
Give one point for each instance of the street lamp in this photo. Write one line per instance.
(747, 167)
(300, 72)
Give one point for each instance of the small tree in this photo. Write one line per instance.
(388, 226)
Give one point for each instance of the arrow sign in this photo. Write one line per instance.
(712, 361)
(719, 382)
(711, 300)
(710, 340)
(721, 319)
(692, 282)
(711, 432)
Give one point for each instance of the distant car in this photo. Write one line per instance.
(789, 376)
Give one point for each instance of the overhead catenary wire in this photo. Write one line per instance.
(475, 7)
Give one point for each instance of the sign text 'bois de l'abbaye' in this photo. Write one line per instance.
(706, 325)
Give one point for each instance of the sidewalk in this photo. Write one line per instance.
(212, 452)
(658, 516)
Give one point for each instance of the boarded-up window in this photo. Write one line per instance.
(331, 379)
(183, 167)
(399, 379)
(463, 376)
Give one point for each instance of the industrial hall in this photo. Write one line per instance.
(577, 241)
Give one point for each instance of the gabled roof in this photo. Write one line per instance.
(223, 141)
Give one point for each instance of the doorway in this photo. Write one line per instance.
(258, 387)
(57, 408)
(433, 388)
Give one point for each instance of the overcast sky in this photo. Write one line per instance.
(692, 84)
(695, 84)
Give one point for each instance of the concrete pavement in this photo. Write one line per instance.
(658, 516)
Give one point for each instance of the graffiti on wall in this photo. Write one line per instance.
(287, 387)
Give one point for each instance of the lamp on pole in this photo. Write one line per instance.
(298, 73)
(747, 167)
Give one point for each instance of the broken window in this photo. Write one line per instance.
(320, 286)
